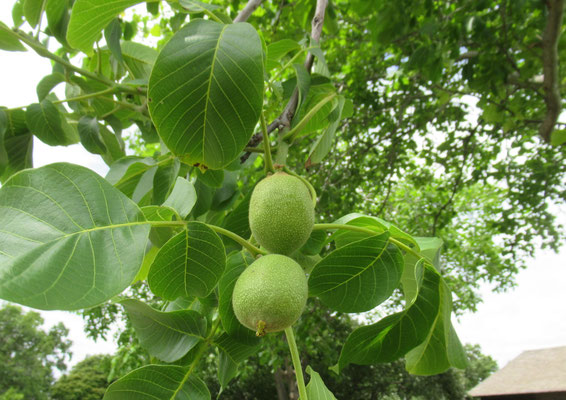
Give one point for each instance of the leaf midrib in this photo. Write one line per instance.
(214, 57)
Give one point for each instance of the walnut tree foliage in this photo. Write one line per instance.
(429, 132)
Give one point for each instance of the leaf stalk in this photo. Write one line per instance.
(296, 363)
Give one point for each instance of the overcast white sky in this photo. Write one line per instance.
(531, 316)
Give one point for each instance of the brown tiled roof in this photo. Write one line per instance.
(533, 371)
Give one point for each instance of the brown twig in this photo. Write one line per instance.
(284, 120)
(248, 10)
(550, 66)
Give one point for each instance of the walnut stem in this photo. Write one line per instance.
(284, 120)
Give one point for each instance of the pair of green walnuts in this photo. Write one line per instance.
(272, 292)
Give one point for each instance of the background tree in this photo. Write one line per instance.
(87, 380)
(29, 355)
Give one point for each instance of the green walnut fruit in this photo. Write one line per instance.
(270, 294)
(281, 213)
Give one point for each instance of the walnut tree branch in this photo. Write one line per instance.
(248, 10)
(284, 120)
(550, 66)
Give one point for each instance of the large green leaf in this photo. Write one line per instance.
(359, 276)
(395, 335)
(68, 239)
(45, 122)
(206, 91)
(163, 382)
(316, 389)
(90, 17)
(442, 348)
(190, 264)
(167, 336)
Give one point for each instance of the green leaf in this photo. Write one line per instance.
(204, 198)
(237, 220)
(18, 13)
(303, 84)
(19, 151)
(89, 132)
(90, 17)
(17, 144)
(139, 59)
(277, 50)
(3, 130)
(8, 40)
(197, 6)
(68, 239)
(167, 336)
(235, 265)
(113, 143)
(112, 34)
(206, 93)
(57, 13)
(395, 335)
(558, 137)
(323, 144)
(190, 264)
(212, 178)
(33, 10)
(164, 179)
(442, 348)
(163, 382)
(316, 389)
(47, 84)
(411, 280)
(359, 276)
(227, 369)
(44, 122)
(237, 350)
(315, 243)
(183, 197)
(342, 237)
(147, 261)
(126, 174)
(160, 235)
